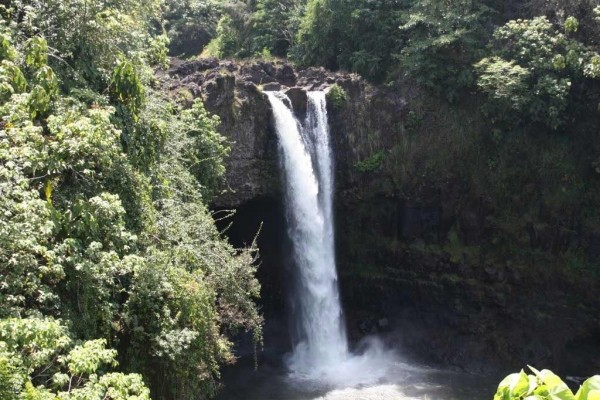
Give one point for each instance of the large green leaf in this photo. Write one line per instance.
(520, 386)
(514, 386)
(594, 395)
(557, 389)
(590, 390)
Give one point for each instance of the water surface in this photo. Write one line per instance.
(271, 381)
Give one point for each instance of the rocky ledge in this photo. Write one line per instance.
(235, 92)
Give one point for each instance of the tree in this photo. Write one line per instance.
(36, 353)
(356, 35)
(443, 39)
(534, 68)
(190, 24)
(275, 25)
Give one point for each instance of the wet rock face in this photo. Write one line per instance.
(411, 252)
(299, 99)
(234, 92)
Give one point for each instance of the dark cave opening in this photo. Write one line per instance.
(263, 218)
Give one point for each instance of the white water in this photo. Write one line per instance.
(320, 353)
(306, 160)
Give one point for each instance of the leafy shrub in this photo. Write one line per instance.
(190, 24)
(544, 385)
(337, 97)
(274, 26)
(226, 43)
(414, 119)
(103, 216)
(571, 25)
(372, 163)
(88, 37)
(534, 69)
(442, 41)
(37, 351)
(359, 36)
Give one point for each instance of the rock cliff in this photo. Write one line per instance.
(234, 91)
(429, 252)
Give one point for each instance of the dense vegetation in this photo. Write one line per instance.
(437, 42)
(114, 275)
(116, 282)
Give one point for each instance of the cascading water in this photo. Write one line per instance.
(306, 159)
(320, 352)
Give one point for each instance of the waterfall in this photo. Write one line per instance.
(306, 158)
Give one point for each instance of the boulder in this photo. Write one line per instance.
(299, 100)
(272, 87)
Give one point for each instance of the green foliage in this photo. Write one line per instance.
(534, 69)
(264, 28)
(37, 341)
(87, 38)
(571, 25)
(12, 80)
(436, 43)
(372, 163)
(226, 43)
(37, 352)
(126, 86)
(274, 26)
(316, 41)
(337, 97)
(193, 287)
(544, 385)
(191, 24)
(357, 35)
(414, 120)
(592, 69)
(103, 219)
(36, 52)
(89, 357)
(443, 39)
(505, 81)
(206, 149)
(7, 51)
(11, 375)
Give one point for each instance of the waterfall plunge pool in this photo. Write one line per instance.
(273, 381)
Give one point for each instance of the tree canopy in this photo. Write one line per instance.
(106, 242)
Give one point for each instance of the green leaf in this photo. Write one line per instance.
(36, 52)
(513, 386)
(520, 386)
(557, 389)
(590, 389)
(594, 395)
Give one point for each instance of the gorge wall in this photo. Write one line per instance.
(447, 242)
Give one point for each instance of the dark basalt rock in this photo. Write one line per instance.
(218, 90)
(286, 75)
(299, 100)
(258, 73)
(185, 68)
(272, 87)
(232, 90)
(448, 302)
